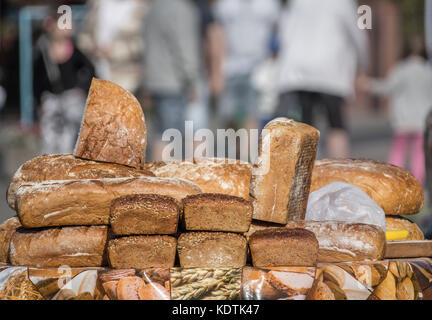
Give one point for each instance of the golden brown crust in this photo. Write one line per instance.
(281, 175)
(7, 229)
(72, 246)
(394, 189)
(144, 214)
(400, 223)
(113, 128)
(213, 175)
(216, 212)
(87, 202)
(141, 252)
(67, 167)
(211, 250)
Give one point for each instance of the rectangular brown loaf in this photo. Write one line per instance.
(211, 250)
(67, 167)
(282, 173)
(87, 202)
(7, 229)
(283, 247)
(213, 175)
(141, 252)
(54, 247)
(144, 214)
(216, 212)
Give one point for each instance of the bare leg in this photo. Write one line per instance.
(338, 144)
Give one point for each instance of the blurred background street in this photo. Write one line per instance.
(359, 71)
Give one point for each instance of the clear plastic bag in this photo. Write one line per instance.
(341, 201)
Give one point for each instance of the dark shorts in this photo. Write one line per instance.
(303, 105)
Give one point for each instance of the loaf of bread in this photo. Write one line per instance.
(7, 229)
(343, 241)
(216, 212)
(67, 167)
(113, 127)
(141, 252)
(281, 175)
(213, 175)
(396, 223)
(211, 250)
(87, 202)
(144, 214)
(54, 247)
(283, 247)
(394, 189)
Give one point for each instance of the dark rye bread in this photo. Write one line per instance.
(211, 250)
(54, 247)
(216, 212)
(144, 214)
(7, 229)
(139, 252)
(283, 247)
(67, 167)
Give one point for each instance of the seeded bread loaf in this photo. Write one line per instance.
(144, 214)
(212, 175)
(87, 202)
(216, 212)
(54, 247)
(7, 229)
(67, 167)
(283, 247)
(281, 175)
(394, 189)
(113, 127)
(141, 252)
(211, 250)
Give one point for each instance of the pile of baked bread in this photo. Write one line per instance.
(105, 206)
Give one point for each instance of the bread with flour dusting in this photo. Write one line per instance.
(54, 247)
(87, 202)
(67, 167)
(281, 175)
(394, 189)
(113, 127)
(7, 229)
(213, 175)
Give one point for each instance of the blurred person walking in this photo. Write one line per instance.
(410, 87)
(171, 63)
(248, 26)
(321, 49)
(428, 28)
(62, 78)
(112, 37)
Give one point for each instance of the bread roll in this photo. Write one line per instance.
(113, 127)
(67, 167)
(212, 175)
(140, 252)
(394, 223)
(87, 202)
(216, 212)
(283, 247)
(394, 189)
(54, 247)
(288, 152)
(7, 229)
(211, 250)
(144, 214)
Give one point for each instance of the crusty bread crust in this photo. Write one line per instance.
(394, 189)
(213, 175)
(7, 229)
(54, 247)
(401, 223)
(113, 127)
(288, 151)
(87, 202)
(67, 167)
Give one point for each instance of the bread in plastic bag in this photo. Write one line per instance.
(341, 201)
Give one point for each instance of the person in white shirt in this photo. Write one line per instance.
(321, 49)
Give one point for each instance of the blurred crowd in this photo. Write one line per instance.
(230, 64)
